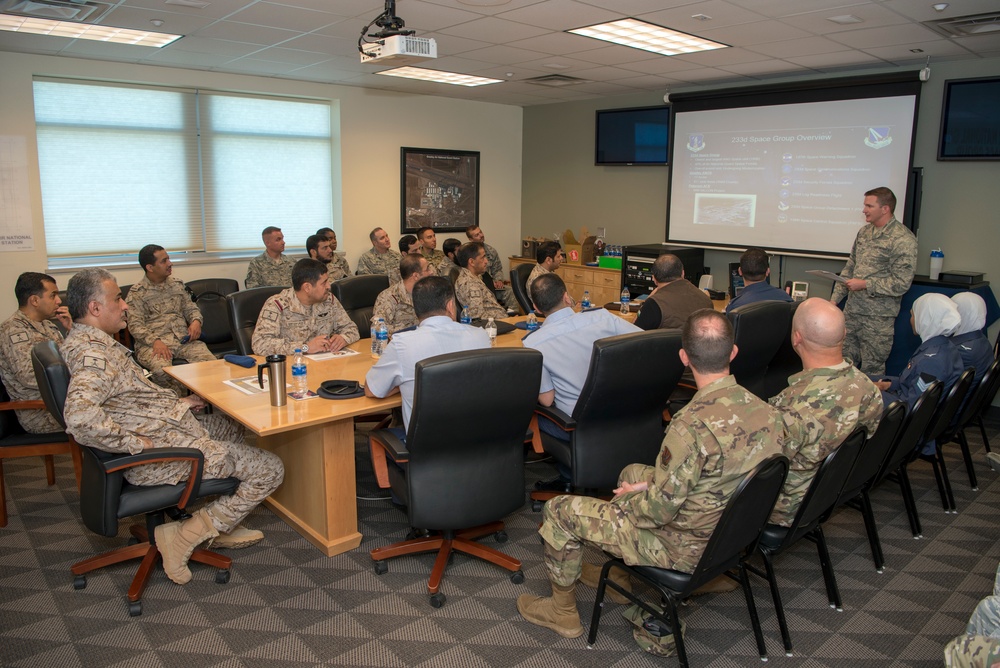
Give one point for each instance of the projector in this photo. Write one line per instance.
(399, 50)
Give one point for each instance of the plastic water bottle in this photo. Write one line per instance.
(625, 299)
(381, 338)
(937, 263)
(374, 342)
(532, 322)
(491, 331)
(466, 317)
(585, 302)
(300, 379)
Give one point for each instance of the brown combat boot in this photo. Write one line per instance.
(177, 540)
(557, 612)
(590, 575)
(717, 585)
(237, 538)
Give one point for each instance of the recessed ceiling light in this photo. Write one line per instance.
(648, 37)
(845, 19)
(916, 50)
(72, 30)
(940, 6)
(438, 76)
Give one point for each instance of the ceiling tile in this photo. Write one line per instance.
(924, 11)
(283, 16)
(139, 19)
(502, 55)
(559, 43)
(494, 30)
(615, 54)
(219, 47)
(245, 32)
(561, 15)
(760, 67)
(216, 9)
(872, 15)
(324, 44)
(805, 46)
(824, 62)
(278, 54)
(723, 14)
(876, 37)
(749, 34)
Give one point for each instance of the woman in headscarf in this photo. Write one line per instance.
(972, 344)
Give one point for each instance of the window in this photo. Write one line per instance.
(196, 171)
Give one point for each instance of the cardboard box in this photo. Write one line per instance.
(574, 253)
(587, 254)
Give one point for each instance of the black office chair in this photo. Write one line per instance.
(943, 419)
(518, 283)
(106, 497)
(733, 541)
(817, 504)
(244, 309)
(759, 330)
(357, 294)
(210, 296)
(980, 397)
(785, 363)
(618, 419)
(461, 468)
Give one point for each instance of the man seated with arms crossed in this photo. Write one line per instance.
(674, 298)
(566, 341)
(304, 316)
(338, 266)
(380, 258)
(163, 320)
(111, 405)
(38, 306)
(755, 269)
(662, 515)
(271, 267)
(394, 304)
(549, 257)
(469, 287)
(493, 266)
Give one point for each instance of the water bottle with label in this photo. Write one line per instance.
(466, 317)
(491, 331)
(937, 263)
(532, 322)
(374, 342)
(585, 302)
(381, 338)
(300, 380)
(625, 299)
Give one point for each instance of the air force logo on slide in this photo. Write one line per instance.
(696, 143)
(878, 137)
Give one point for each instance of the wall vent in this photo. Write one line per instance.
(556, 80)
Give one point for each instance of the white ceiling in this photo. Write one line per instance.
(514, 40)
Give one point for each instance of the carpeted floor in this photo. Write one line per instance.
(286, 604)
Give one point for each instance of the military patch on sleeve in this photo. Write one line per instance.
(271, 315)
(19, 337)
(323, 315)
(94, 363)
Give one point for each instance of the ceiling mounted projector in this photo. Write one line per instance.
(399, 50)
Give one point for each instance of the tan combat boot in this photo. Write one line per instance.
(177, 540)
(590, 575)
(557, 612)
(717, 585)
(236, 539)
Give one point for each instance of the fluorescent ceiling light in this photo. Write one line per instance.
(438, 76)
(648, 37)
(72, 30)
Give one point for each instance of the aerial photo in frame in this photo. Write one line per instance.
(440, 189)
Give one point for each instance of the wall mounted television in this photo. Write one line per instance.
(970, 120)
(637, 136)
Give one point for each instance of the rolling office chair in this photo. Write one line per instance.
(210, 296)
(518, 283)
(357, 294)
(106, 497)
(760, 329)
(244, 309)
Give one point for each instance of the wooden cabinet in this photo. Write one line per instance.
(604, 284)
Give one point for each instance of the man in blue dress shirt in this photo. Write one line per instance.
(755, 269)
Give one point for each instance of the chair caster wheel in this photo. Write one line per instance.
(517, 577)
(413, 534)
(222, 577)
(381, 568)
(536, 506)
(975, 489)
(500, 536)
(134, 608)
(80, 582)
(438, 599)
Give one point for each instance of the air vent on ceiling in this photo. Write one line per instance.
(59, 10)
(555, 80)
(967, 26)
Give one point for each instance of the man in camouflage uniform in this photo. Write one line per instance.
(494, 266)
(549, 256)
(450, 247)
(38, 304)
(304, 316)
(271, 267)
(470, 288)
(663, 515)
(380, 258)
(163, 320)
(879, 271)
(822, 404)
(395, 303)
(980, 647)
(111, 405)
(338, 266)
(428, 249)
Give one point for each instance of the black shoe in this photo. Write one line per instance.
(554, 485)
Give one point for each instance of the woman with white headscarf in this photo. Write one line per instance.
(969, 339)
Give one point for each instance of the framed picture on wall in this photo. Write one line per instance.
(440, 189)
(970, 120)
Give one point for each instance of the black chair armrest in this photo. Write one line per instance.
(385, 444)
(563, 421)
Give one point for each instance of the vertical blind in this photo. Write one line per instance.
(124, 166)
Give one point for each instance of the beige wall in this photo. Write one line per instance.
(373, 124)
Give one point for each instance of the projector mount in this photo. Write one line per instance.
(390, 24)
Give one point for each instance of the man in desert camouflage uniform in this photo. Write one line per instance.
(879, 272)
(111, 405)
(380, 258)
(161, 317)
(822, 404)
(337, 266)
(272, 267)
(38, 304)
(980, 647)
(549, 257)
(663, 515)
(304, 316)
(429, 249)
(469, 287)
(494, 266)
(395, 303)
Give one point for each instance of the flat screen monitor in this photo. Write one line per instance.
(636, 136)
(970, 120)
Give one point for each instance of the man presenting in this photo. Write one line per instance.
(270, 267)
(163, 320)
(674, 298)
(469, 287)
(380, 258)
(111, 405)
(304, 316)
(879, 271)
(755, 269)
(338, 266)
(394, 304)
(662, 515)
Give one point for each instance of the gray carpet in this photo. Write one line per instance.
(286, 604)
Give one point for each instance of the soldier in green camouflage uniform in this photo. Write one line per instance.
(37, 304)
(271, 267)
(880, 270)
(337, 265)
(664, 515)
(380, 258)
(161, 314)
(980, 647)
(822, 404)
(304, 316)
(111, 405)
(395, 304)
(469, 287)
